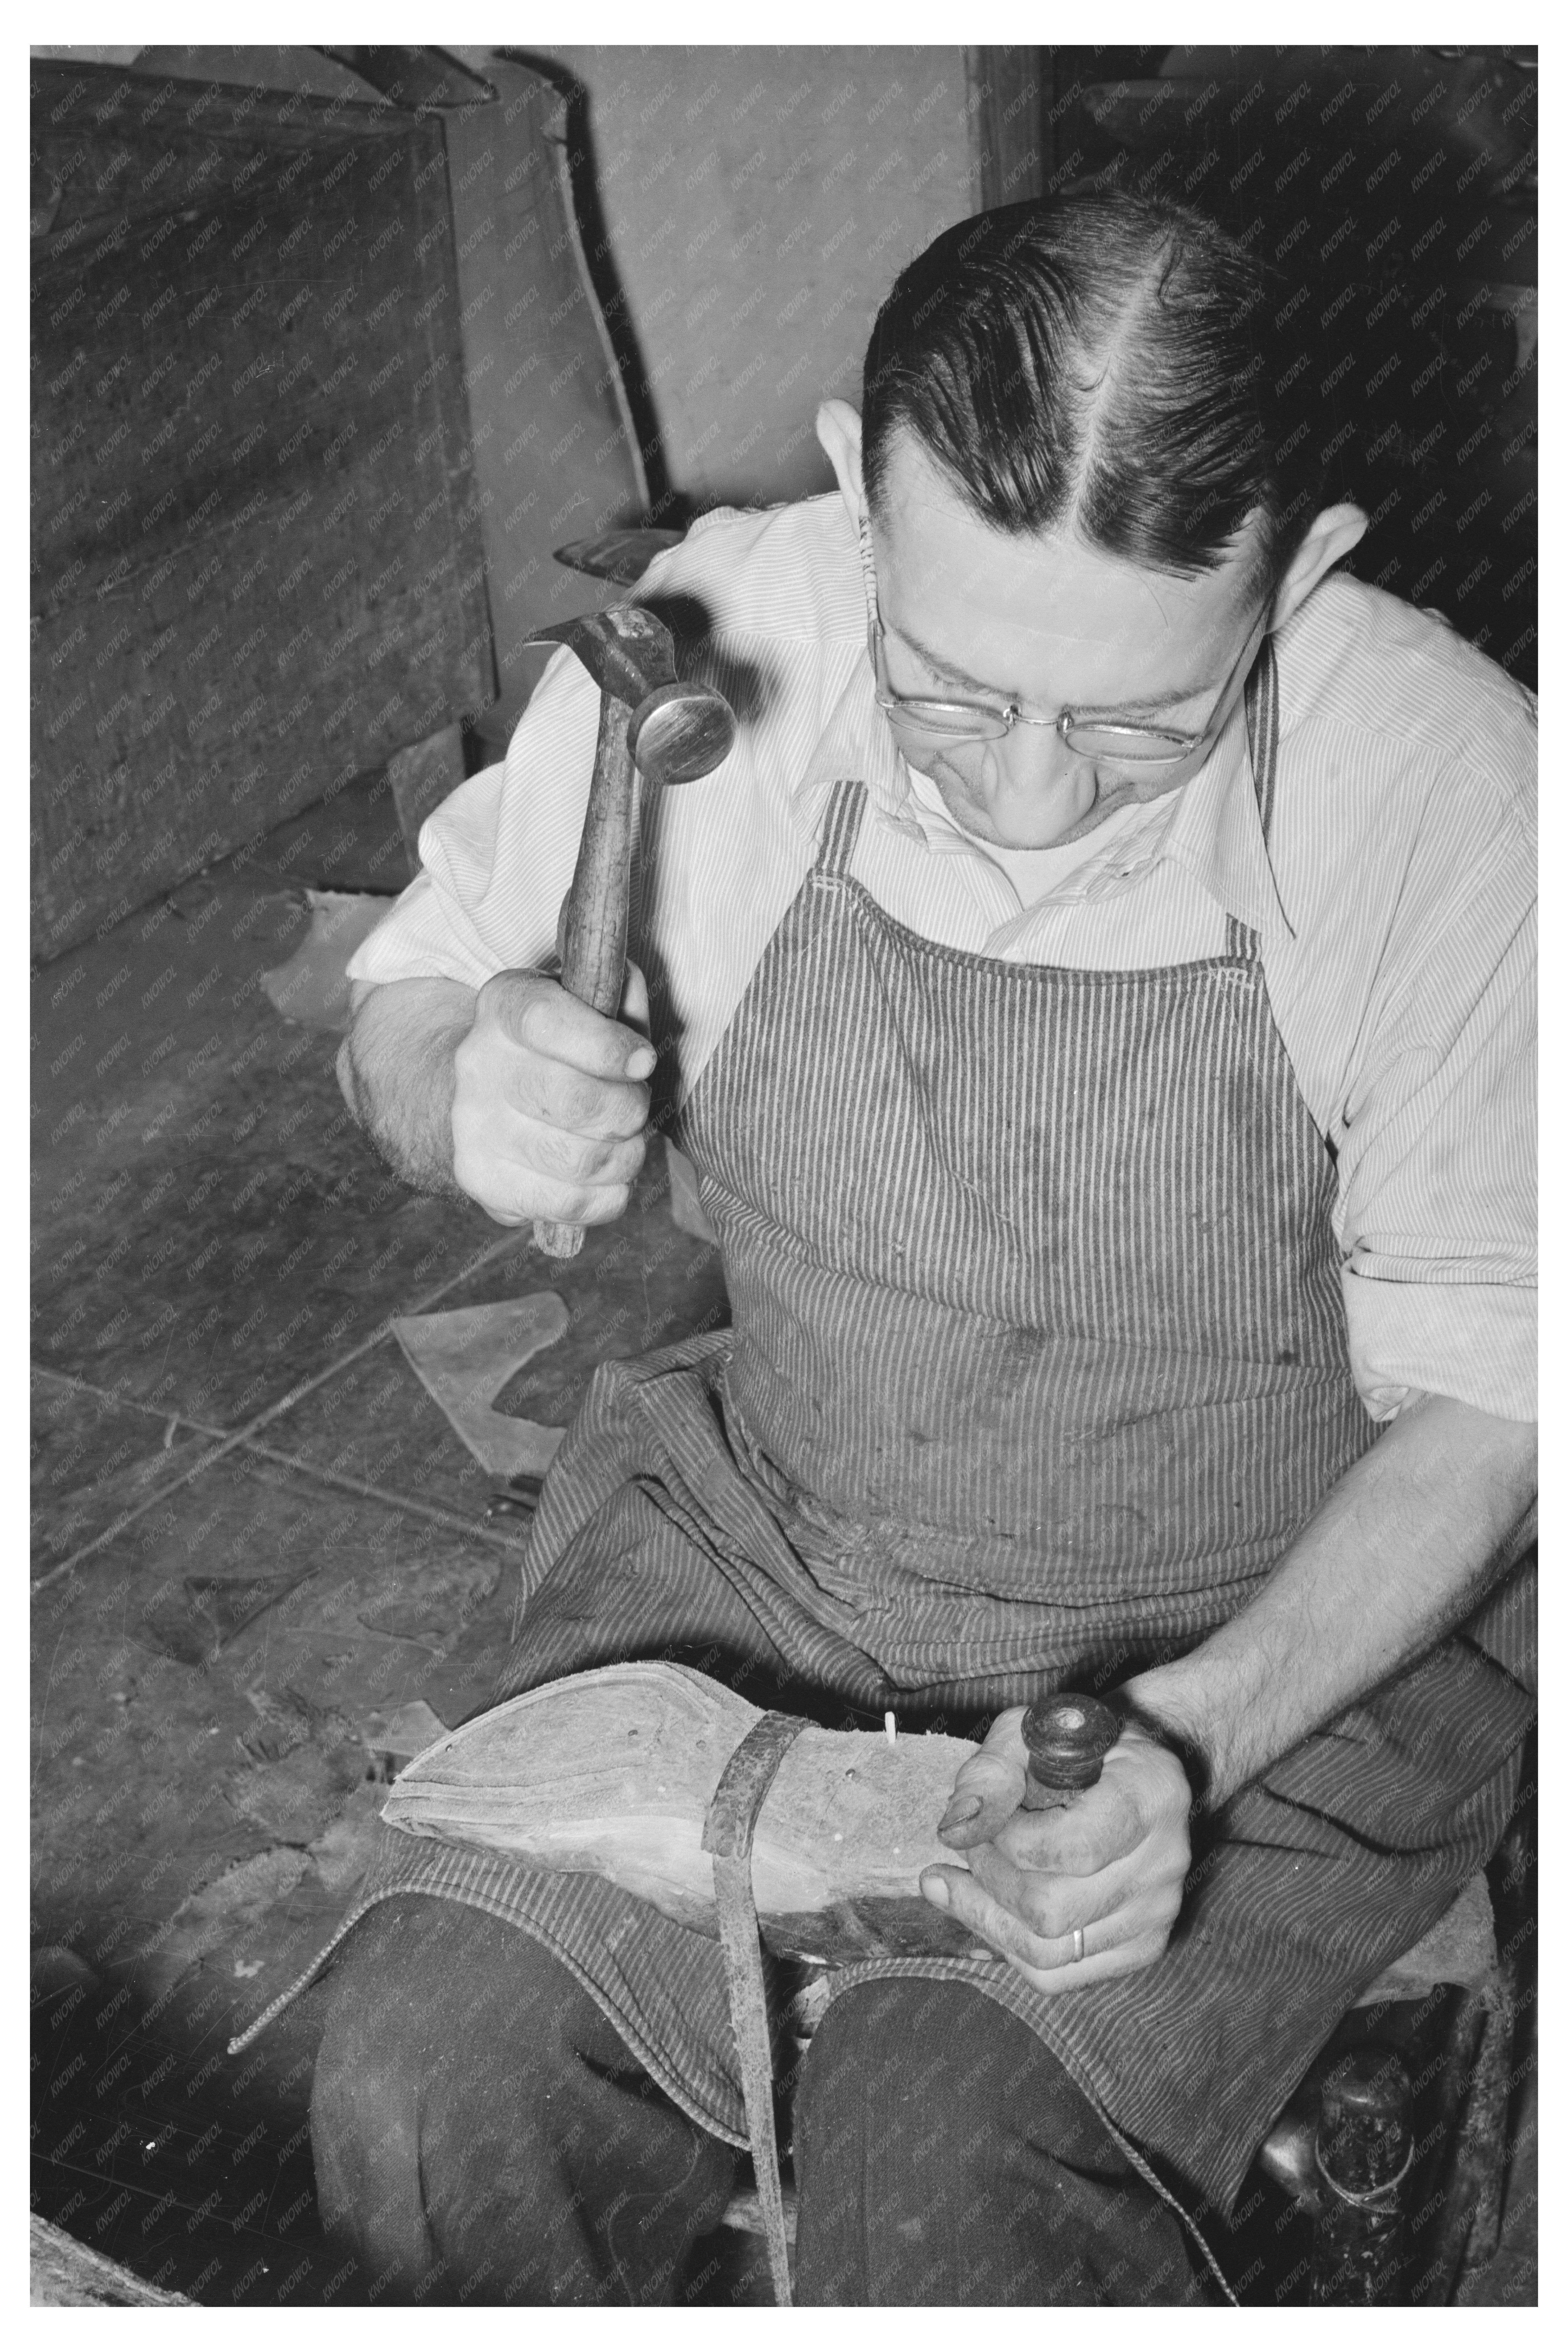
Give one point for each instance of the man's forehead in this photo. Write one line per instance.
(954, 583)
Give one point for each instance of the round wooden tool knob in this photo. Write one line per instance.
(1067, 1736)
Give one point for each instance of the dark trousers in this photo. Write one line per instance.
(482, 2135)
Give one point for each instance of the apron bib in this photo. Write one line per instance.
(1038, 1362)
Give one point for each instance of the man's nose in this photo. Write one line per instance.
(1032, 764)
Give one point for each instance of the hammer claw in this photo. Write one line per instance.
(625, 649)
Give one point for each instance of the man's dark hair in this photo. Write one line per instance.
(1100, 364)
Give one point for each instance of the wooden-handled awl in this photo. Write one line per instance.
(1069, 1736)
(652, 724)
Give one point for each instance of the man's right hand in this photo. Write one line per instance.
(551, 1107)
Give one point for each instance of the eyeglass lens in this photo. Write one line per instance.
(962, 722)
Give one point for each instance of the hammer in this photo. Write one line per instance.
(652, 724)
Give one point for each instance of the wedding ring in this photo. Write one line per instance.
(1078, 1943)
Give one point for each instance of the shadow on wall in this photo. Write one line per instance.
(665, 505)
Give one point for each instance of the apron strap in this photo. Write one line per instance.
(1263, 750)
(727, 1835)
(842, 828)
(1263, 728)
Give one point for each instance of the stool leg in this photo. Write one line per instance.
(1475, 2065)
(1483, 2137)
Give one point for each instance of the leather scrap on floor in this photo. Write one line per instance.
(241, 1900)
(431, 1600)
(214, 1608)
(466, 1357)
(396, 1739)
(343, 1851)
(312, 987)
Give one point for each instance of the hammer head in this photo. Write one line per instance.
(676, 730)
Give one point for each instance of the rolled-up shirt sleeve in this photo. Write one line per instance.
(497, 855)
(1438, 1156)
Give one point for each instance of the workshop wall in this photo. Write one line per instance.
(1395, 190)
(256, 568)
(758, 204)
(236, 314)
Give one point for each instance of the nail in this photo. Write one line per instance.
(639, 1064)
(935, 1890)
(959, 1810)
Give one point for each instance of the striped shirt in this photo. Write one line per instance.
(1393, 901)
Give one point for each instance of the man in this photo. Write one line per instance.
(1096, 996)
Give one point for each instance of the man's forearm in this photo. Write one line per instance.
(396, 1070)
(1398, 1554)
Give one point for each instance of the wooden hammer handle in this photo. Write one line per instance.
(593, 919)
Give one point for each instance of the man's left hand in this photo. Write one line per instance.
(1111, 1864)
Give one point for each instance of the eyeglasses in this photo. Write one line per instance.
(1092, 739)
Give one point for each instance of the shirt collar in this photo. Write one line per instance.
(857, 741)
(1211, 825)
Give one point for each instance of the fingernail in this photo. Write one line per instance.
(639, 1064)
(960, 1810)
(935, 1891)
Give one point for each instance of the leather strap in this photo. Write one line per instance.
(726, 1831)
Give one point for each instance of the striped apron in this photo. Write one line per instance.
(1038, 1362)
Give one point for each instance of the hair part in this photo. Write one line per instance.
(1098, 364)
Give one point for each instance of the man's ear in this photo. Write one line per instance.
(1331, 535)
(838, 430)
